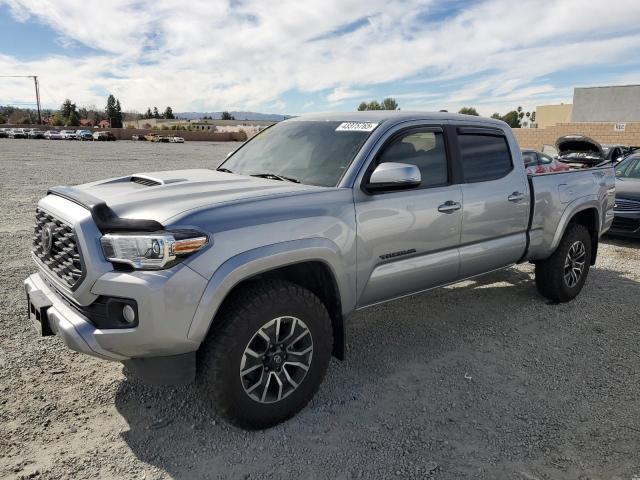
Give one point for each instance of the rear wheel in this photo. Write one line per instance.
(267, 354)
(561, 276)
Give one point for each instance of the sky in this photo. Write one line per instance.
(299, 56)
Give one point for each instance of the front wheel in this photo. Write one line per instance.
(561, 277)
(266, 355)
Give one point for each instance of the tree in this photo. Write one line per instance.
(117, 123)
(73, 120)
(3, 119)
(148, 113)
(168, 113)
(110, 110)
(57, 120)
(156, 114)
(497, 116)
(226, 116)
(469, 111)
(374, 105)
(389, 104)
(68, 108)
(512, 119)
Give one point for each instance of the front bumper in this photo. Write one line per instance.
(626, 224)
(74, 330)
(166, 303)
(157, 350)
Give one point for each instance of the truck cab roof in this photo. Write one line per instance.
(396, 116)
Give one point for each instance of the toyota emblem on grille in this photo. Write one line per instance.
(46, 237)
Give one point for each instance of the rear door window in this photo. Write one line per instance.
(484, 157)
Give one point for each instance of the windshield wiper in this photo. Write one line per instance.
(222, 169)
(274, 176)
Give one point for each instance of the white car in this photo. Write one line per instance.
(176, 140)
(69, 134)
(53, 135)
(17, 133)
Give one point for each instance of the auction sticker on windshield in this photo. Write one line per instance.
(356, 127)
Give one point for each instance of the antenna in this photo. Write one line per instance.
(35, 82)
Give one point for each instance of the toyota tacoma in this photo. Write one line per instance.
(242, 277)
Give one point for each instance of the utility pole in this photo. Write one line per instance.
(35, 82)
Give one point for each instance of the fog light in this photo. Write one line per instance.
(129, 314)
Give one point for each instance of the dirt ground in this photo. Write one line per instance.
(483, 379)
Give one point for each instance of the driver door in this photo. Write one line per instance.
(408, 240)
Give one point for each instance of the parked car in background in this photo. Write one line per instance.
(176, 139)
(84, 135)
(69, 134)
(36, 134)
(580, 151)
(17, 133)
(138, 138)
(104, 137)
(626, 209)
(614, 153)
(53, 135)
(244, 275)
(4, 133)
(537, 162)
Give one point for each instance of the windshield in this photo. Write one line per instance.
(629, 168)
(311, 152)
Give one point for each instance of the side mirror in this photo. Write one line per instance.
(394, 176)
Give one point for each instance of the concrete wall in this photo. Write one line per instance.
(126, 133)
(201, 123)
(549, 115)
(606, 104)
(602, 132)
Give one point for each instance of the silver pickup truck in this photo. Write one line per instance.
(241, 277)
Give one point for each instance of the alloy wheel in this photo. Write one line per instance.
(276, 359)
(574, 263)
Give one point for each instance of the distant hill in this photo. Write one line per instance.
(236, 115)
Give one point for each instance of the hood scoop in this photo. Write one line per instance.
(146, 181)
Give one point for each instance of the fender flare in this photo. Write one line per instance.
(575, 207)
(259, 260)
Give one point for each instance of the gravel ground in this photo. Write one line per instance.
(483, 379)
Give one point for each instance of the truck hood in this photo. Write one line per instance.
(578, 144)
(161, 195)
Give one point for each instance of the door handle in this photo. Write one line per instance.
(449, 207)
(516, 197)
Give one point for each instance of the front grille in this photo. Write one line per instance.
(60, 254)
(627, 224)
(624, 205)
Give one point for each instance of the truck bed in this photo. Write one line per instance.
(576, 190)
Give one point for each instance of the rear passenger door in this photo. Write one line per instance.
(495, 195)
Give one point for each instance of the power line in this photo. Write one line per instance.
(35, 82)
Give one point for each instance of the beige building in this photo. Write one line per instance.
(550, 115)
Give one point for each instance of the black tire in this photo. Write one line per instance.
(242, 316)
(550, 273)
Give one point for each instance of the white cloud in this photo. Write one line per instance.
(209, 55)
(342, 93)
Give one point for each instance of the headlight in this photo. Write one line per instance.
(151, 251)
